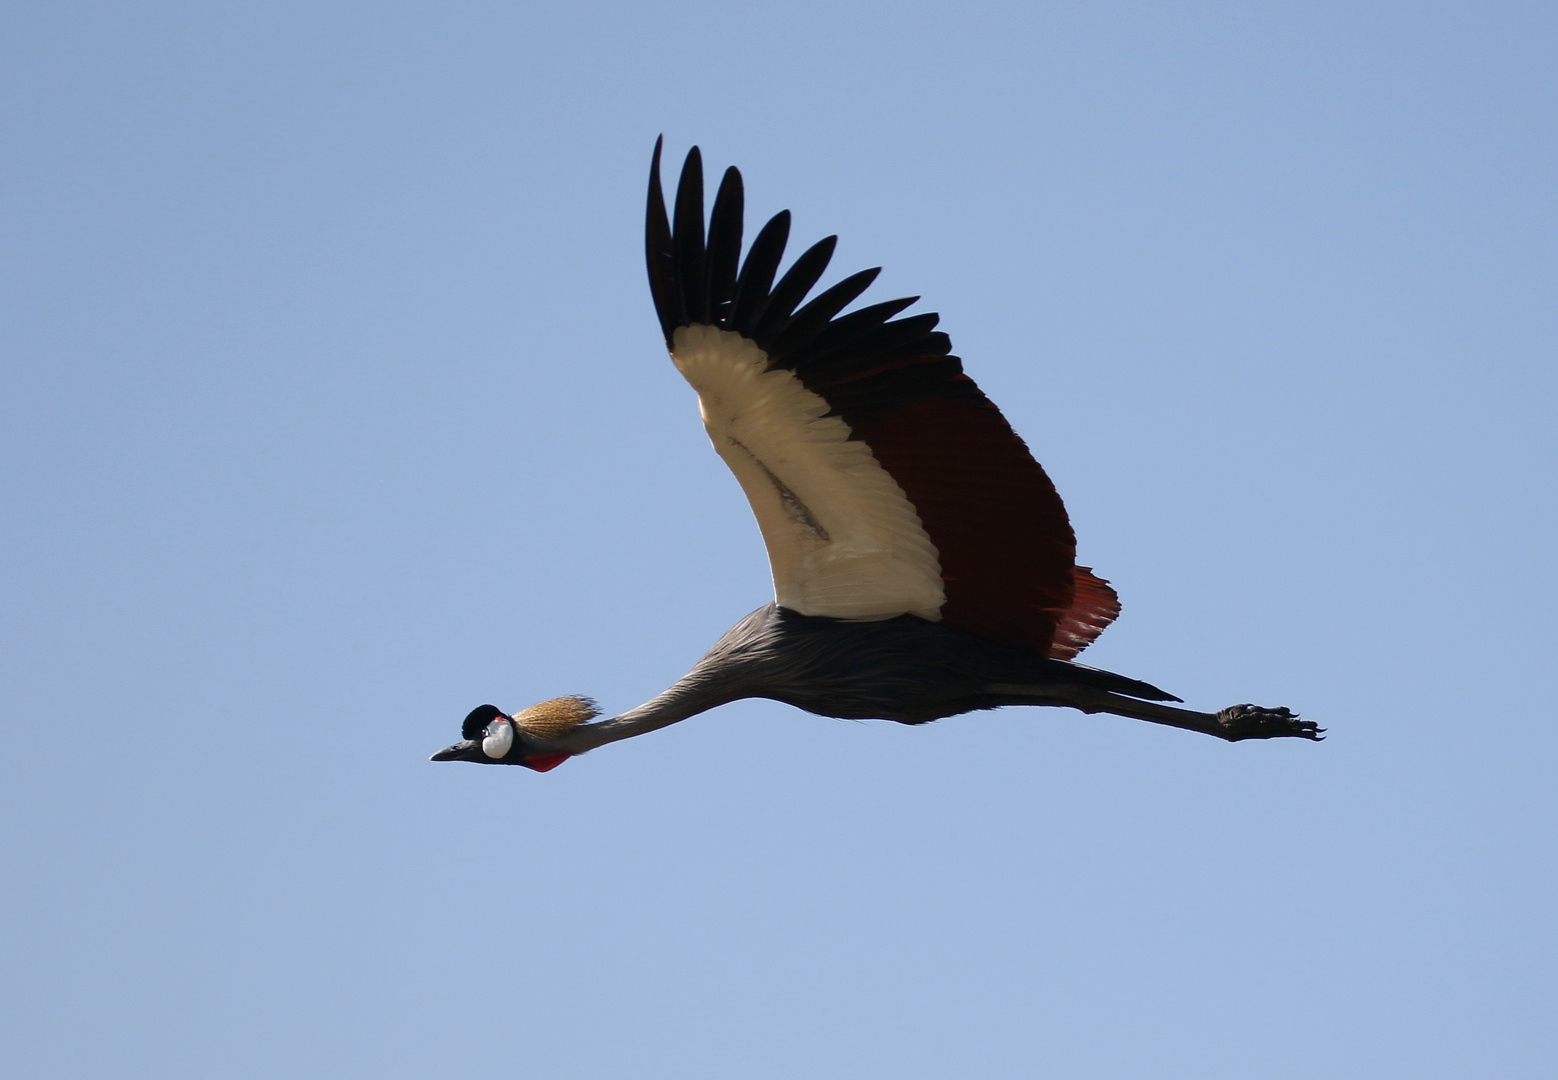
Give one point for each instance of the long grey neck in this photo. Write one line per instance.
(690, 696)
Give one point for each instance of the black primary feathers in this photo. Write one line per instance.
(695, 282)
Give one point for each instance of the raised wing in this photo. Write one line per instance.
(884, 482)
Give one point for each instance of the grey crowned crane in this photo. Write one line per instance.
(923, 563)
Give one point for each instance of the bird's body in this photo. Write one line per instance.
(904, 668)
(923, 564)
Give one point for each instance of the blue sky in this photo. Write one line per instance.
(333, 404)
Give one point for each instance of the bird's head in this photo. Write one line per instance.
(490, 736)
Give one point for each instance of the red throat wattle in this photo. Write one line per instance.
(544, 762)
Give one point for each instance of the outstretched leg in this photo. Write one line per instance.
(1235, 723)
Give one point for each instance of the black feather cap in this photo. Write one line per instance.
(477, 721)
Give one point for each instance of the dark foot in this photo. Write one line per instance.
(1253, 722)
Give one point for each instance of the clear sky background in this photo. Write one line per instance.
(333, 404)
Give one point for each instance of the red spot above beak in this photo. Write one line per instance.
(544, 762)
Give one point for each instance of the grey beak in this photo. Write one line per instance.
(460, 751)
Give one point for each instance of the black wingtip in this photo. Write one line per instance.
(659, 252)
(797, 281)
(724, 249)
(687, 239)
(697, 275)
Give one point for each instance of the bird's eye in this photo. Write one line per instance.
(498, 739)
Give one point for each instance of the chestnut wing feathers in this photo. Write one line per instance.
(1001, 543)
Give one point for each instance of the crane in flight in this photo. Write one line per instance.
(923, 563)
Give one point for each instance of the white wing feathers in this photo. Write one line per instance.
(843, 539)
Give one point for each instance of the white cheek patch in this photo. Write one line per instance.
(499, 739)
(843, 539)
